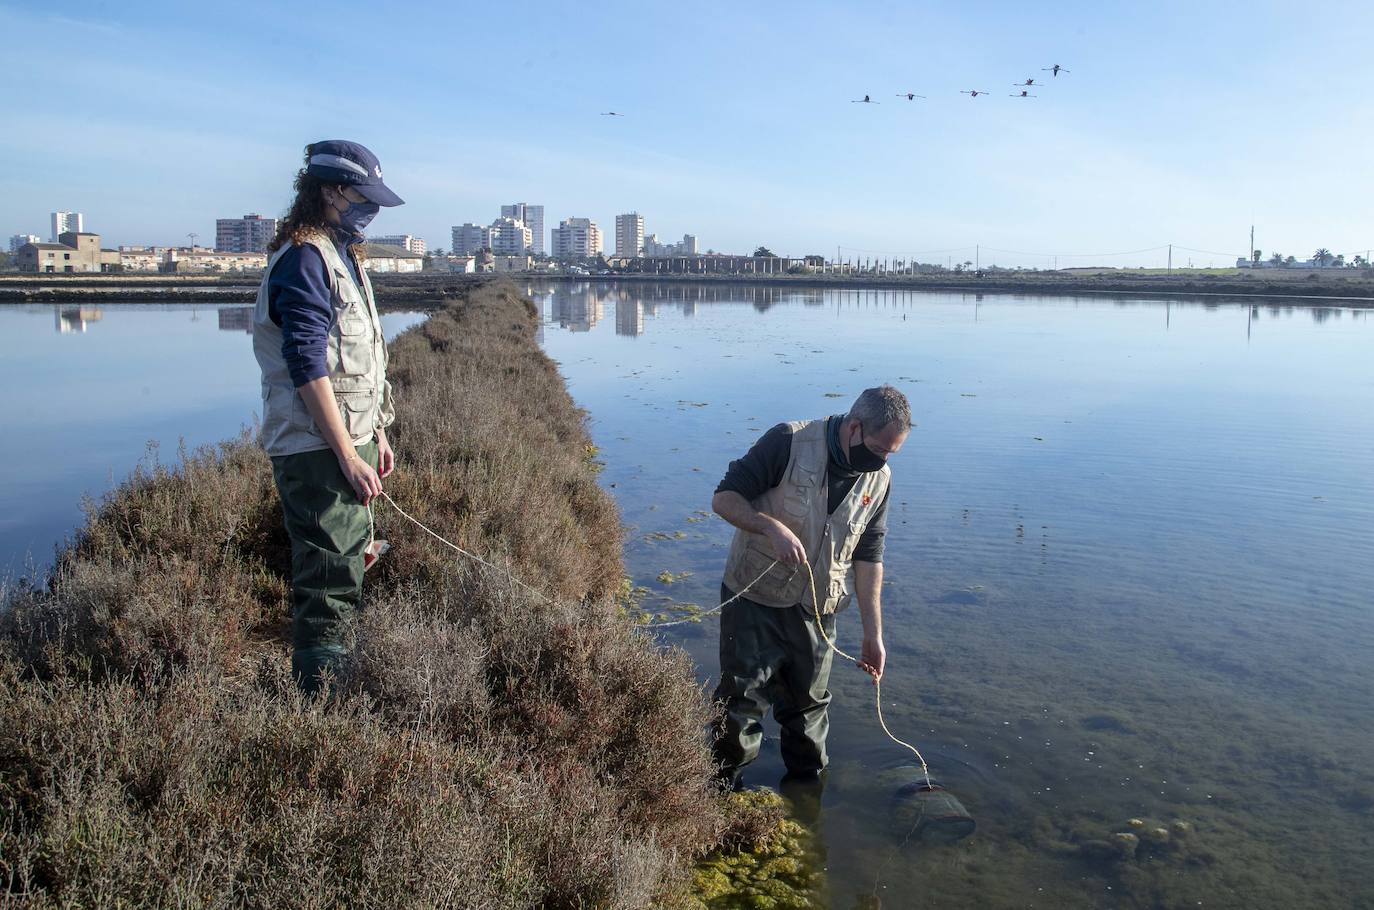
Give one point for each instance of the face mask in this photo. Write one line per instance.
(862, 458)
(358, 216)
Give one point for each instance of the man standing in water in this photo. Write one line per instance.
(325, 399)
(811, 492)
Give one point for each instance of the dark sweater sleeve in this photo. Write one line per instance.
(299, 300)
(870, 546)
(762, 467)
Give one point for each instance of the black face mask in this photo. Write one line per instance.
(862, 458)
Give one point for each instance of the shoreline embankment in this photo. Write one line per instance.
(484, 746)
(1327, 287)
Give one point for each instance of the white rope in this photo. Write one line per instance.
(723, 604)
(453, 546)
(815, 606)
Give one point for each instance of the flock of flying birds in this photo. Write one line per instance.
(1024, 92)
(1025, 88)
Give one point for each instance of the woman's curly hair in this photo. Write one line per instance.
(308, 212)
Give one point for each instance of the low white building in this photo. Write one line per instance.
(390, 259)
(142, 258)
(407, 242)
(461, 265)
(183, 259)
(512, 263)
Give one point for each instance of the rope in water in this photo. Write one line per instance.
(877, 680)
(815, 607)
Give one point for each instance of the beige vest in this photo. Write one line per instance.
(800, 502)
(355, 357)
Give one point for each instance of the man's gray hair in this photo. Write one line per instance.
(880, 407)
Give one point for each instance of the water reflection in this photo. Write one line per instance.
(1126, 580)
(629, 318)
(75, 319)
(236, 319)
(141, 373)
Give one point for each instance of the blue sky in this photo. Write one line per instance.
(1179, 122)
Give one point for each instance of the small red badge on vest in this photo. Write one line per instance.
(867, 499)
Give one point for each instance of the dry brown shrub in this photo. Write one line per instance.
(485, 746)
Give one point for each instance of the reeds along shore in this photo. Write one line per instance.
(486, 749)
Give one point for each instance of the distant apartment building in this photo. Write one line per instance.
(406, 242)
(629, 234)
(469, 239)
(576, 238)
(66, 223)
(249, 234)
(510, 237)
(685, 247)
(195, 259)
(74, 252)
(532, 217)
(18, 240)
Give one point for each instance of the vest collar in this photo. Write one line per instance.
(839, 465)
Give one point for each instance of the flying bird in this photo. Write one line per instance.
(910, 95)
(611, 114)
(864, 100)
(974, 93)
(1027, 82)
(1056, 69)
(1024, 94)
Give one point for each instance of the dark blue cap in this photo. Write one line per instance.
(340, 161)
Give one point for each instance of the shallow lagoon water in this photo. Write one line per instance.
(1127, 573)
(95, 386)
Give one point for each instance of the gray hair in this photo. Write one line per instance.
(879, 407)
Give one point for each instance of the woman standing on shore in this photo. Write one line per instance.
(325, 399)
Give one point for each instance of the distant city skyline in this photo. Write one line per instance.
(1177, 123)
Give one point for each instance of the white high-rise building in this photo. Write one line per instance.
(470, 238)
(64, 222)
(629, 234)
(532, 216)
(576, 238)
(510, 237)
(18, 240)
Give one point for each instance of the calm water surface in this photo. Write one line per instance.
(1128, 574)
(1127, 569)
(94, 387)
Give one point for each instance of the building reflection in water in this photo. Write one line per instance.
(629, 317)
(74, 319)
(236, 319)
(576, 306)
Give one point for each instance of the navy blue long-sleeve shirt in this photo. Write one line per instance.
(300, 302)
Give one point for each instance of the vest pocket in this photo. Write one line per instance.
(355, 343)
(356, 410)
(753, 565)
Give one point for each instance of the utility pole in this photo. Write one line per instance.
(1252, 244)
(977, 257)
(1171, 259)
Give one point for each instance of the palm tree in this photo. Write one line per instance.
(1276, 259)
(1322, 257)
